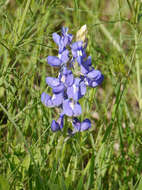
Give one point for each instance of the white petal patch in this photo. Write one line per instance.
(72, 105)
(63, 79)
(59, 55)
(53, 97)
(74, 88)
(79, 53)
(55, 82)
(86, 82)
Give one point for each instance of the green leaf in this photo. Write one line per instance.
(26, 162)
(140, 185)
(4, 185)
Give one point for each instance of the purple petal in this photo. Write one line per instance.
(82, 88)
(67, 108)
(59, 88)
(76, 123)
(79, 59)
(61, 46)
(94, 74)
(94, 82)
(78, 51)
(65, 56)
(67, 38)
(56, 38)
(52, 82)
(77, 90)
(64, 30)
(69, 79)
(88, 61)
(71, 93)
(74, 53)
(97, 82)
(70, 36)
(85, 125)
(76, 45)
(77, 110)
(77, 81)
(81, 126)
(83, 69)
(86, 66)
(54, 61)
(57, 99)
(55, 126)
(45, 97)
(60, 121)
(66, 77)
(71, 108)
(46, 100)
(65, 71)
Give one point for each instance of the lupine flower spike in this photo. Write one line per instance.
(69, 87)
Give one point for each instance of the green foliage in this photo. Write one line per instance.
(109, 156)
(3, 183)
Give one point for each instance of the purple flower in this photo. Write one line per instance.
(57, 125)
(59, 41)
(71, 108)
(55, 84)
(91, 76)
(64, 80)
(55, 100)
(85, 66)
(54, 61)
(77, 90)
(52, 82)
(81, 126)
(66, 77)
(64, 56)
(78, 51)
(67, 37)
(62, 41)
(94, 78)
(58, 61)
(66, 88)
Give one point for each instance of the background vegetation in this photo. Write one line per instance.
(109, 156)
